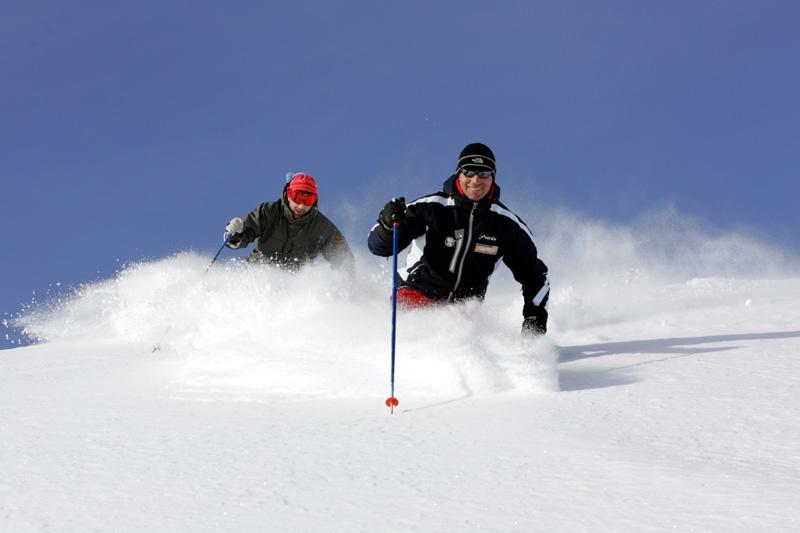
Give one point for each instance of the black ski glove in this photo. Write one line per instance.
(393, 211)
(535, 321)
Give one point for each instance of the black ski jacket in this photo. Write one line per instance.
(290, 243)
(456, 244)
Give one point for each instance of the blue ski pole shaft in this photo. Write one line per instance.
(157, 347)
(392, 401)
(227, 240)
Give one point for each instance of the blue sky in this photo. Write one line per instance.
(133, 130)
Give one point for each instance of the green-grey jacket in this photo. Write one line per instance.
(290, 243)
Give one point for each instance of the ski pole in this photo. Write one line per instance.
(227, 240)
(157, 347)
(391, 401)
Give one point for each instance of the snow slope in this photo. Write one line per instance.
(665, 397)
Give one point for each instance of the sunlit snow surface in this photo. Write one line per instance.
(664, 397)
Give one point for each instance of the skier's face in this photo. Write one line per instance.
(475, 187)
(298, 210)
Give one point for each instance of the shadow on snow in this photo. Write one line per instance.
(678, 347)
(674, 345)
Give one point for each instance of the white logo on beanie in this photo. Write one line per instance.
(478, 160)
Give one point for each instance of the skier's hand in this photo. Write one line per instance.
(234, 227)
(536, 322)
(233, 232)
(393, 211)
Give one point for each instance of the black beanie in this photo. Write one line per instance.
(476, 156)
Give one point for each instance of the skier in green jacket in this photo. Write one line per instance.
(291, 232)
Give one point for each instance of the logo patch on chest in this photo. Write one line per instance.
(449, 242)
(486, 249)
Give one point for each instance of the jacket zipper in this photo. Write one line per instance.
(466, 251)
(459, 235)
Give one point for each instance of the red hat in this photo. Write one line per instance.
(300, 181)
(302, 188)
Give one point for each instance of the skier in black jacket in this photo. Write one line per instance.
(291, 231)
(457, 235)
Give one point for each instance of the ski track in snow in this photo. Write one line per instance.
(663, 398)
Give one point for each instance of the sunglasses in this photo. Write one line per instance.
(483, 174)
(302, 197)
